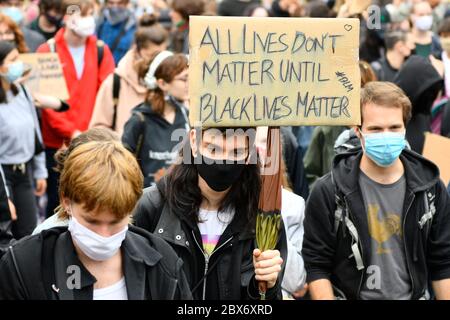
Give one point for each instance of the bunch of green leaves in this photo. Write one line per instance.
(267, 226)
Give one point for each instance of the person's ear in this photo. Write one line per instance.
(3, 68)
(357, 131)
(193, 141)
(164, 86)
(65, 202)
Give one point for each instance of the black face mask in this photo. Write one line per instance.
(219, 176)
(53, 20)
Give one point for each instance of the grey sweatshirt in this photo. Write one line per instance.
(18, 124)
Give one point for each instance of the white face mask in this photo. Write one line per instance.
(424, 23)
(83, 26)
(93, 245)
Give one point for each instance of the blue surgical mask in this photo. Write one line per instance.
(385, 147)
(15, 71)
(14, 13)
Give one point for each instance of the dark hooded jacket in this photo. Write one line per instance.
(228, 274)
(157, 150)
(421, 83)
(41, 267)
(327, 252)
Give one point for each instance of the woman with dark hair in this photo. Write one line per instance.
(122, 90)
(10, 31)
(148, 133)
(21, 152)
(205, 208)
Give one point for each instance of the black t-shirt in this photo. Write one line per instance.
(35, 26)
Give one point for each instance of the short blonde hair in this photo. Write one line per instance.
(101, 175)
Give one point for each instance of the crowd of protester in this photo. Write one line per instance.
(73, 171)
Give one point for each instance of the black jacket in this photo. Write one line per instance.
(327, 253)
(5, 215)
(40, 267)
(230, 271)
(157, 150)
(6, 237)
(421, 82)
(383, 69)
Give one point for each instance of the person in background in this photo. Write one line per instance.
(317, 9)
(115, 260)
(293, 214)
(7, 208)
(439, 8)
(14, 10)
(148, 133)
(9, 31)
(444, 36)
(319, 156)
(7, 215)
(86, 63)
(399, 46)
(427, 43)
(122, 91)
(50, 18)
(181, 10)
(369, 233)
(31, 10)
(236, 7)
(116, 27)
(286, 8)
(256, 10)
(21, 151)
(422, 82)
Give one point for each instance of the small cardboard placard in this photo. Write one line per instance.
(437, 149)
(46, 75)
(273, 71)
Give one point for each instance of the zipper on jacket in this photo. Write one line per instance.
(404, 243)
(207, 258)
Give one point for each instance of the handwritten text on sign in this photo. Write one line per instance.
(273, 71)
(46, 74)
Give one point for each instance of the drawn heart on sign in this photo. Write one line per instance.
(348, 27)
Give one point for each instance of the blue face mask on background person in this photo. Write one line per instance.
(384, 148)
(15, 71)
(14, 13)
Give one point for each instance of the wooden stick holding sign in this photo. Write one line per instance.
(273, 71)
(46, 76)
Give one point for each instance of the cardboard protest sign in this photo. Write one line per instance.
(273, 71)
(46, 74)
(437, 149)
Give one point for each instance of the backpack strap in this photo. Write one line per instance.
(100, 52)
(51, 45)
(140, 140)
(120, 35)
(340, 216)
(116, 91)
